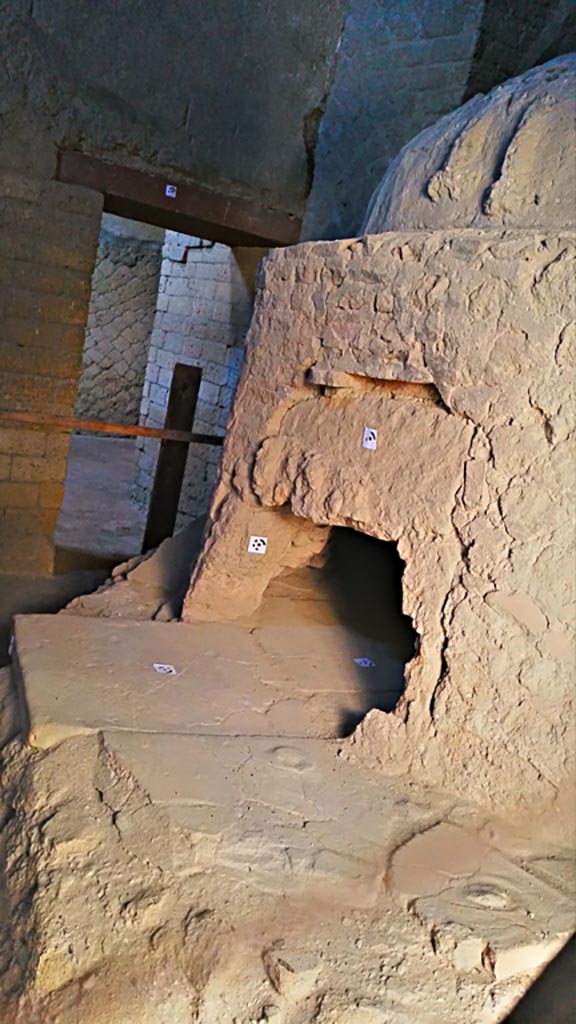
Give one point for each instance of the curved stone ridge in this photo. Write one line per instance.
(504, 159)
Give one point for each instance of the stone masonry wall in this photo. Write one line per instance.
(401, 66)
(120, 322)
(203, 312)
(49, 238)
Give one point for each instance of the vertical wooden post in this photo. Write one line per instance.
(172, 456)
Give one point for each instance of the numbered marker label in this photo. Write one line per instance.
(370, 438)
(257, 545)
(365, 662)
(164, 670)
(171, 191)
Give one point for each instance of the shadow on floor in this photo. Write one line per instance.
(75, 560)
(21, 595)
(552, 997)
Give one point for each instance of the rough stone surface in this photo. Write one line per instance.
(288, 670)
(501, 160)
(243, 875)
(147, 586)
(228, 113)
(258, 910)
(156, 877)
(403, 64)
(516, 35)
(454, 346)
(142, 88)
(400, 67)
(120, 321)
(478, 902)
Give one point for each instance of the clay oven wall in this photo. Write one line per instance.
(454, 346)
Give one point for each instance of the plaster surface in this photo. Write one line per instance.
(504, 159)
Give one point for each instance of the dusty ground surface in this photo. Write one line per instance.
(200, 846)
(98, 522)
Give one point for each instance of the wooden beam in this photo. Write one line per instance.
(172, 457)
(179, 205)
(63, 424)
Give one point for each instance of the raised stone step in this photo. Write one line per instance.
(81, 675)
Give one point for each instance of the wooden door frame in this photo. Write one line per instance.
(178, 205)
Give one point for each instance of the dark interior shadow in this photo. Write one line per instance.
(30, 595)
(363, 580)
(76, 560)
(552, 997)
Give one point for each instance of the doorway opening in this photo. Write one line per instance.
(160, 301)
(99, 524)
(363, 579)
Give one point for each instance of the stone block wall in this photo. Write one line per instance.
(203, 312)
(49, 239)
(401, 66)
(120, 322)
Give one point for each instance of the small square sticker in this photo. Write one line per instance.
(257, 545)
(370, 438)
(170, 191)
(164, 670)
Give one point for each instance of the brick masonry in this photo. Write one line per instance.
(120, 321)
(49, 235)
(203, 312)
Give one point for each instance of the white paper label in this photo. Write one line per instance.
(257, 545)
(171, 191)
(370, 438)
(365, 662)
(164, 670)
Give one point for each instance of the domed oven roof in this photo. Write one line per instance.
(502, 160)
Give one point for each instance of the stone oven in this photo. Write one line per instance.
(444, 333)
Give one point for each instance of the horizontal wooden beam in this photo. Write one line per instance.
(63, 424)
(179, 205)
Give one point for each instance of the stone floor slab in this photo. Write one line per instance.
(83, 674)
(285, 813)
